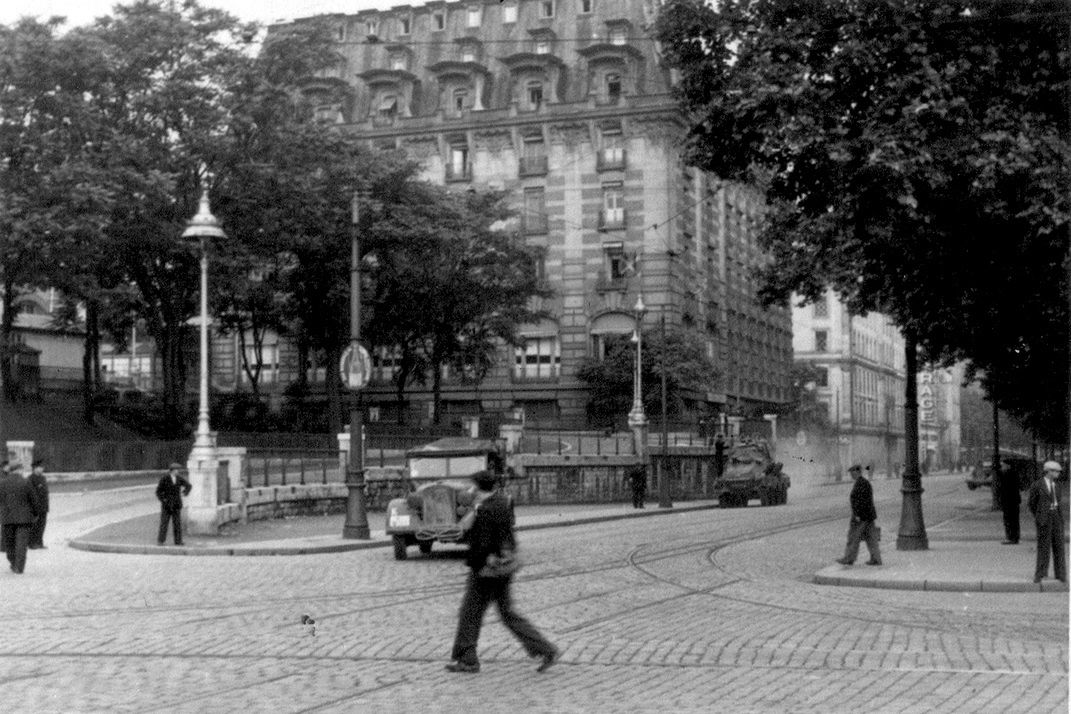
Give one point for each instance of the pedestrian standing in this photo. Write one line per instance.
(19, 509)
(637, 481)
(40, 484)
(1008, 483)
(3, 475)
(170, 491)
(863, 525)
(1044, 502)
(719, 455)
(491, 543)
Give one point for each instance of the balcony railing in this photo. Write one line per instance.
(533, 166)
(612, 218)
(458, 173)
(605, 282)
(534, 225)
(610, 159)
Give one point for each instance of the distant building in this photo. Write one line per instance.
(860, 363)
(46, 356)
(566, 105)
(940, 420)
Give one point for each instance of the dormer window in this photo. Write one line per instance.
(509, 13)
(473, 16)
(534, 95)
(438, 21)
(461, 100)
(371, 27)
(405, 25)
(340, 33)
(546, 8)
(613, 87)
(585, 6)
(388, 106)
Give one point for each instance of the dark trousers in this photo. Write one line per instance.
(16, 537)
(478, 595)
(859, 531)
(1011, 521)
(176, 520)
(37, 533)
(638, 495)
(1051, 539)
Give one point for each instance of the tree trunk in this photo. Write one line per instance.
(174, 380)
(400, 380)
(436, 392)
(7, 326)
(90, 348)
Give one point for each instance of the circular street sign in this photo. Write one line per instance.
(355, 366)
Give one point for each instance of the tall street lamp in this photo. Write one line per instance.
(636, 417)
(202, 463)
(356, 369)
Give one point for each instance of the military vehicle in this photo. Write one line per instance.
(750, 473)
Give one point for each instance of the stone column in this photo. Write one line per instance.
(200, 507)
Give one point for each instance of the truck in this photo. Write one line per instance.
(751, 473)
(441, 492)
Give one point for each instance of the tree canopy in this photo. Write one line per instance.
(915, 157)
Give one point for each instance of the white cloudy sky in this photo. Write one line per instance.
(80, 12)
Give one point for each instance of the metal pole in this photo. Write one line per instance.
(356, 525)
(995, 471)
(665, 499)
(912, 534)
(203, 438)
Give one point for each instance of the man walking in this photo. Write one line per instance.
(170, 491)
(863, 524)
(491, 540)
(1008, 483)
(40, 484)
(1044, 503)
(19, 509)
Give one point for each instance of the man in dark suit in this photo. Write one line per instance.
(19, 509)
(1044, 503)
(863, 524)
(40, 484)
(1008, 483)
(170, 491)
(637, 481)
(491, 538)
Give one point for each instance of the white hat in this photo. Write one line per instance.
(1053, 466)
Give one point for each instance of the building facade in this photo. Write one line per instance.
(940, 416)
(861, 378)
(566, 106)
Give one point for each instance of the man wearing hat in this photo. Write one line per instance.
(1044, 503)
(19, 509)
(863, 524)
(169, 491)
(40, 484)
(491, 538)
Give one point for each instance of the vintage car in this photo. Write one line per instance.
(1024, 468)
(441, 492)
(750, 472)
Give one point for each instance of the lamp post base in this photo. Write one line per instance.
(912, 533)
(356, 525)
(202, 467)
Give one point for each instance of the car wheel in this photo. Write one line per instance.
(425, 546)
(741, 501)
(765, 498)
(972, 486)
(725, 500)
(399, 547)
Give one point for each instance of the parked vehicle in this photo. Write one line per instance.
(441, 492)
(1024, 467)
(751, 472)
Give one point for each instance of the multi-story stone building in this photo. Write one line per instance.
(861, 378)
(566, 105)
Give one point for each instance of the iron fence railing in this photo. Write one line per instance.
(285, 467)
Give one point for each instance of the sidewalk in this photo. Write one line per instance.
(965, 553)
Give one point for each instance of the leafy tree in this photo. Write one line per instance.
(610, 380)
(915, 156)
(450, 287)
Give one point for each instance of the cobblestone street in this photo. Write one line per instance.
(704, 611)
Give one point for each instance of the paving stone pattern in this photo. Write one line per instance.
(680, 613)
